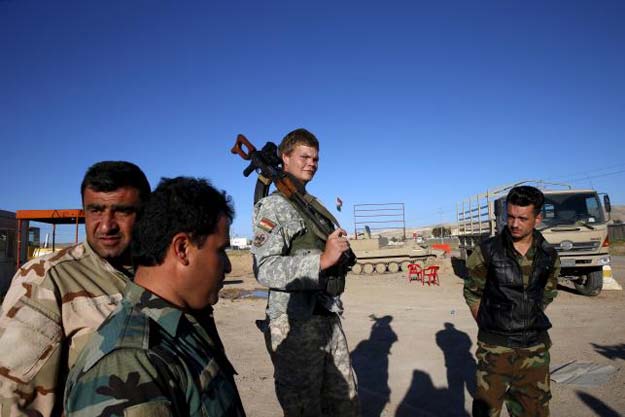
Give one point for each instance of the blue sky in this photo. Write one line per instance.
(423, 103)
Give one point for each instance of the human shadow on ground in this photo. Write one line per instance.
(423, 398)
(611, 352)
(460, 267)
(459, 362)
(600, 408)
(370, 362)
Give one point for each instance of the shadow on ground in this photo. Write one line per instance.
(370, 362)
(424, 399)
(600, 408)
(611, 352)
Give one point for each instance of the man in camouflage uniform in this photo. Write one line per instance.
(159, 353)
(512, 278)
(313, 374)
(56, 302)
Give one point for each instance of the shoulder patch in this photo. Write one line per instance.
(266, 224)
(260, 239)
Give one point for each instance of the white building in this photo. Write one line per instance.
(240, 243)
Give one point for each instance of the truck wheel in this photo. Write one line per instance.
(393, 267)
(591, 283)
(357, 269)
(367, 269)
(380, 267)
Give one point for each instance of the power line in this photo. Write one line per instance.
(589, 177)
(594, 173)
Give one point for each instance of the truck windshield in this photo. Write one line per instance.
(566, 209)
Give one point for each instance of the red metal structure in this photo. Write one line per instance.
(427, 275)
(431, 273)
(415, 272)
(53, 217)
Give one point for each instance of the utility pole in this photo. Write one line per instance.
(440, 213)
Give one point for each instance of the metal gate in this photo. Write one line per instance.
(378, 217)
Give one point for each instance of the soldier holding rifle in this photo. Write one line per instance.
(303, 259)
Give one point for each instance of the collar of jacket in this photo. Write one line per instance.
(538, 241)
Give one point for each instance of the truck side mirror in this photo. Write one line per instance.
(606, 203)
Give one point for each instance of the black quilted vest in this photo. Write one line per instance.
(509, 314)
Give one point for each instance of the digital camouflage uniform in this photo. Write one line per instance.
(313, 372)
(53, 306)
(149, 358)
(517, 376)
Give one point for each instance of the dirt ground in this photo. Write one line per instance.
(420, 360)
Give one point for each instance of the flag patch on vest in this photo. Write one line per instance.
(259, 239)
(266, 224)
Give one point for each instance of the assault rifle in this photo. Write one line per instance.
(268, 165)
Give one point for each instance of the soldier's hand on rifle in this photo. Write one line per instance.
(336, 244)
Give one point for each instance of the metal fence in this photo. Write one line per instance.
(616, 232)
(378, 217)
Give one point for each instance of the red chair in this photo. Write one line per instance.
(431, 273)
(415, 272)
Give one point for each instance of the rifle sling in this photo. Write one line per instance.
(321, 209)
(316, 206)
(261, 190)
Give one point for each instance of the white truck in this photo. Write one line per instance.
(574, 223)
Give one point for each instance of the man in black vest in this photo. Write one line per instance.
(512, 278)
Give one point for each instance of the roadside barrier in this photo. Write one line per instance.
(609, 283)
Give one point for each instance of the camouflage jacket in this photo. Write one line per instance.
(292, 278)
(150, 358)
(53, 306)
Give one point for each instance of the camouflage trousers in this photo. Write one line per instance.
(312, 367)
(518, 377)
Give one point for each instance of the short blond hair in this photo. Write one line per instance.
(295, 138)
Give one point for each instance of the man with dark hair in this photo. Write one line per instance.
(159, 353)
(313, 373)
(111, 175)
(512, 278)
(56, 302)
(524, 196)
